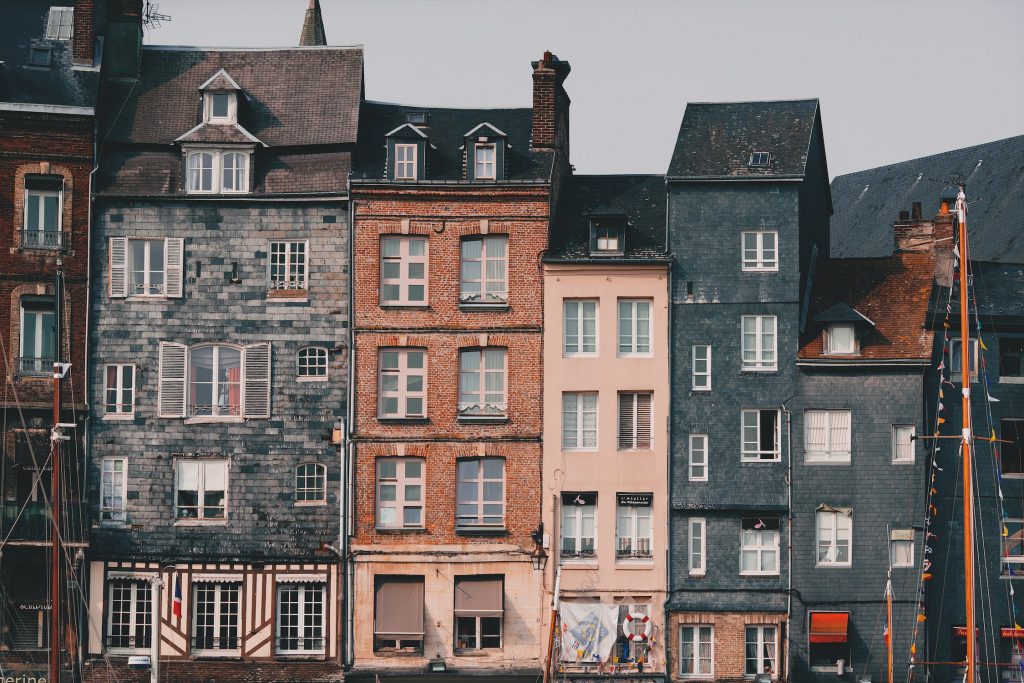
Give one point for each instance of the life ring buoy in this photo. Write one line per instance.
(627, 626)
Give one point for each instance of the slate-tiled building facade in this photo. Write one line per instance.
(219, 358)
(748, 216)
(451, 213)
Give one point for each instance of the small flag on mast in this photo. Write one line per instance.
(176, 606)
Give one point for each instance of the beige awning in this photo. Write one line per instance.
(902, 534)
(399, 607)
(829, 508)
(479, 597)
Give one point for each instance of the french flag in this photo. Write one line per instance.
(176, 607)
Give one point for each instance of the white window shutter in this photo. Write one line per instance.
(174, 264)
(171, 398)
(643, 420)
(118, 267)
(257, 381)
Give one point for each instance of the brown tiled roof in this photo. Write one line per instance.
(216, 133)
(894, 292)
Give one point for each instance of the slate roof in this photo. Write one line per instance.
(640, 198)
(998, 291)
(23, 25)
(867, 202)
(716, 139)
(894, 292)
(445, 130)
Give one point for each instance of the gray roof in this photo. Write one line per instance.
(24, 27)
(716, 139)
(639, 198)
(868, 202)
(998, 292)
(445, 130)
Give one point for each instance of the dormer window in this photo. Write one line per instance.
(841, 339)
(844, 330)
(212, 171)
(484, 147)
(221, 107)
(405, 161)
(416, 118)
(484, 153)
(607, 236)
(760, 159)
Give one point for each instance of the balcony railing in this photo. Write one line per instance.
(42, 239)
(34, 365)
(33, 522)
(577, 553)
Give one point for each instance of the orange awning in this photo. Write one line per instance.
(829, 627)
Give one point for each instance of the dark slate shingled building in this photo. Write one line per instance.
(219, 359)
(748, 217)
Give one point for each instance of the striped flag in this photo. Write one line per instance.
(176, 607)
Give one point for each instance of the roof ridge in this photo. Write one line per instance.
(445, 108)
(293, 48)
(797, 99)
(928, 156)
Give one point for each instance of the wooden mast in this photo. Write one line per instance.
(55, 439)
(966, 436)
(888, 615)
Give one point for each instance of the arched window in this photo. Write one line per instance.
(200, 172)
(234, 172)
(311, 483)
(312, 363)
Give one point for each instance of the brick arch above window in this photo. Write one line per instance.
(45, 169)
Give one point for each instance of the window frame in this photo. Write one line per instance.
(697, 568)
(401, 481)
(1012, 562)
(1011, 347)
(40, 227)
(209, 102)
(217, 619)
(239, 172)
(481, 409)
(300, 626)
(1015, 449)
(760, 352)
(604, 230)
(830, 344)
(696, 641)
(38, 364)
(636, 443)
(579, 514)
(760, 159)
(309, 360)
(831, 455)
(484, 147)
(148, 269)
(404, 281)
(834, 539)
(486, 297)
(760, 548)
(755, 455)
(302, 487)
(955, 372)
(216, 170)
(579, 437)
(410, 167)
(759, 264)
(119, 391)
(633, 346)
(908, 564)
(694, 373)
(201, 492)
(692, 463)
(61, 18)
(759, 642)
(481, 482)
(635, 551)
(403, 374)
(139, 621)
(111, 489)
(292, 266)
(574, 350)
(217, 386)
(911, 445)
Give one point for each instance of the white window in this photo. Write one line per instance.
(113, 489)
(633, 526)
(212, 171)
(903, 443)
(403, 271)
(119, 392)
(215, 610)
(696, 651)
(214, 381)
(842, 339)
(759, 546)
(147, 267)
(288, 265)
(300, 618)
(402, 383)
(955, 369)
(1013, 547)
(579, 325)
(579, 421)
(634, 327)
(697, 545)
(44, 212)
(606, 236)
(482, 383)
(635, 420)
(698, 457)
(37, 336)
(201, 487)
(405, 162)
(485, 168)
(129, 614)
(60, 23)
(827, 435)
(579, 525)
(140, 268)
(312, 363)
(201, 172)
(701, 367)
(761, 435)
(901, 548)
(234, 171)
(480, 492)
(835, 534)
(484, 271)
(759, 342)
(760, 250)
(761, 649)
(400, 493)
(311, 483)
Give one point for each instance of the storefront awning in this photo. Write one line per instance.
(829, 627)
(1007, 632)
(399, 607)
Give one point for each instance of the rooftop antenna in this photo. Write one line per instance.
(151, 16)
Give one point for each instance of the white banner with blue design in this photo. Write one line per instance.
(588, 631)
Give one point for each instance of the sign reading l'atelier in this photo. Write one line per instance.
(637, 500)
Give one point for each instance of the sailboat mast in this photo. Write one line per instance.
(55, 563)
(965, 378)
(888, 616)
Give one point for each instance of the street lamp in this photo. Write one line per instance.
(538, 557)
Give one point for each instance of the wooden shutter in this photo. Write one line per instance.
(626, 424)
(643, 420)
(171, 398)
(118, 267)
(256, 371)
(174, 261)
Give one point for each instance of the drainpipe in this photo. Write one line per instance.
(789, 531)
(667, 637)
(347, 466)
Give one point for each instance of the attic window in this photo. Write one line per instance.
(760, 158)
(39, 56)
(841, 339)
(219, 106)
(606, 236)
(60, 23)
(416, 118)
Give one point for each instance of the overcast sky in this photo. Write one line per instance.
(896, 79)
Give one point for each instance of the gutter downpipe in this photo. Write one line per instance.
(348, 459)
(666, 638)
(789, 534)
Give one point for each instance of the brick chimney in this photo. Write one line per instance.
(550, 105)
(916, 234)
(313, 27)
(83, 42)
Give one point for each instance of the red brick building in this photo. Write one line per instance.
(450, 220)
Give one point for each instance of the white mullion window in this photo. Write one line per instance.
(827, 436)
(634, 327)
(696, 545)
(761, 650)
(633, 531)
(696, 651)
(635, 420)
(113, 490)
(698, 470)
(759, 343)
(483, 271)
(759, 546)
(701, 367)
(579, 421)
(129, 614)
(482, 385)
(312, 363)
(760, 250)
(400, 493)
(300, 618)
(405, 161)
(403, 271)
(484, 157)
(311, 483)
(402, 383)
(215, 610)
(147, 267)
(903, 444)
(579, 525)
(201, 489)
(234, 172)
(44, 212)
(215, 380)
(579, 327)
(288, 265)
(38, 338)
(480, 493)
(835, 536)
(202, 166)
(761, 435)
(901, 548)
(119, 392)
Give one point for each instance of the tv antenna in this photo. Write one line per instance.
(151, 16)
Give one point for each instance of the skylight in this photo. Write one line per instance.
(760, 158)
(416, 118)
(60, 23)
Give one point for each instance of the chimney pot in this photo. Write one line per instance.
(915, 212)
(904, 215)
(944, 209)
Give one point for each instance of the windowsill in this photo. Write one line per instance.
(758, 370)
(698, 481)
(118, 417)
(482, 531)
(827, 669)
(697, 573)
(808, 461)
(401, 530)
(634, 450)
(759, 270)
(310, 503)
(146, 297)
(580, 355)
(200, 522)
(397, 653)
(289, 296)
(760, 575)
(634, 355)
(903, 462)
(213, 419)
(293, 656)
(404, 420)
(321, 378)
(475, 653)
(833, 566)
(1012, 475)
(217, 654)
(1011, 380)
(127, 651)
(483, 419)
(110, 525)
(469, 308)
(403, 307)
(759, 461)
(580, 450)
(632, 565)
(701, 391)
